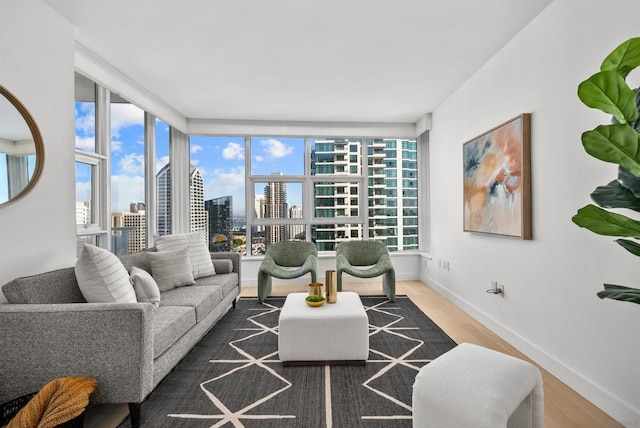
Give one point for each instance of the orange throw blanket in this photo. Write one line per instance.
(57, 402)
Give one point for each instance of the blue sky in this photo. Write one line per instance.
(221, 160)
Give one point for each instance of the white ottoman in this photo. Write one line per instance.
(475, 387)
(334, 333)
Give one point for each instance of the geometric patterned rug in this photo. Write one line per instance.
(233, 377)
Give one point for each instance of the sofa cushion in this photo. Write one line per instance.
(223, 265)
(145, 286)
(57, 286)
(198, 250)
(141, 260)
(203, 299)
(170, 324)
(228, 282)
(102, 278)
(171, 269)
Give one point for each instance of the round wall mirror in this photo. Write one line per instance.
(21, 149)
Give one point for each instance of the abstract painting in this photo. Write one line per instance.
(497, 184)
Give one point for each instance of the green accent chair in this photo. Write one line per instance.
(366, 259)
(286, 260)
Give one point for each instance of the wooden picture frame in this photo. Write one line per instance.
(497, 180)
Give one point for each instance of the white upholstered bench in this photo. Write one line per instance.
(475, 387)
(334, 333)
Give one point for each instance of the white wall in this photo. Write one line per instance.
(550, 309)
(37, 233)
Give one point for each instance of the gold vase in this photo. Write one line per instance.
(315, 289)
(331, 278)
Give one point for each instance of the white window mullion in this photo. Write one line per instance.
(363, 197)
(102, 181)
(424, 204)
(150, 188)
(180, 197)
(249, 195)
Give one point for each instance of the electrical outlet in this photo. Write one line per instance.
(496, 288)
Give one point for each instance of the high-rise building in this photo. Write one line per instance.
(128, 232)
(220, 212)
(392, 191)
(199, 217)
(259, 203)
(296, 231)
(83, 212)
(275, 206)
(163, 206)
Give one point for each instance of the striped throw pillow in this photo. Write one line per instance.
(198, 250)
(145, 286)
(102, 277)
(171, 269)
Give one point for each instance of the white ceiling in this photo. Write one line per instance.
(305, 60)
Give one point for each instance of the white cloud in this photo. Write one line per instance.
(116, 146)
(195, 149)
(132, 164)
(259, 158)
(124, 115)
(86, 143)
(83, 191)
(227, 180)
(125, 190)
(276, 149)
(161, 162)
(233, 151)
(86, 118)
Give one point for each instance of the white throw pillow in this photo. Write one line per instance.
(145, 286)
(198, 250)
(102, 278)
(171, 269)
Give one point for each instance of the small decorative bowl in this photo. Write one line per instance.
(315, 304)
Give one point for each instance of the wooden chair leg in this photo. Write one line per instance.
(134, 414)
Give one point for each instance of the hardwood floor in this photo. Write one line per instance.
(564, 408)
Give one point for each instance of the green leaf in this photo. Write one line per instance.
(615, 195)
(619, 292)
(631, 246)
(616, 144)
(606, 223)
(624, 58)
(629, 181)
(608, 91)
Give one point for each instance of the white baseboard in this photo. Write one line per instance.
(623, 412)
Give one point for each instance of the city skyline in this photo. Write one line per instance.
(220, 159)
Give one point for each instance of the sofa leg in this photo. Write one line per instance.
(233, 304)
(134, 414)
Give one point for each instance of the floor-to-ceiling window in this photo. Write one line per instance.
(127, 199)
(90, 162)
(114, 171)
(245, 191)
(320, 189)
(220, 203)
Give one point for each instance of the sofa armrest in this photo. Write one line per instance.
(111, 342)
(235, 259)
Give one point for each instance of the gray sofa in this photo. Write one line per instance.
(48, 331)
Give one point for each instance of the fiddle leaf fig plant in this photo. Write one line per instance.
(618, 143)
